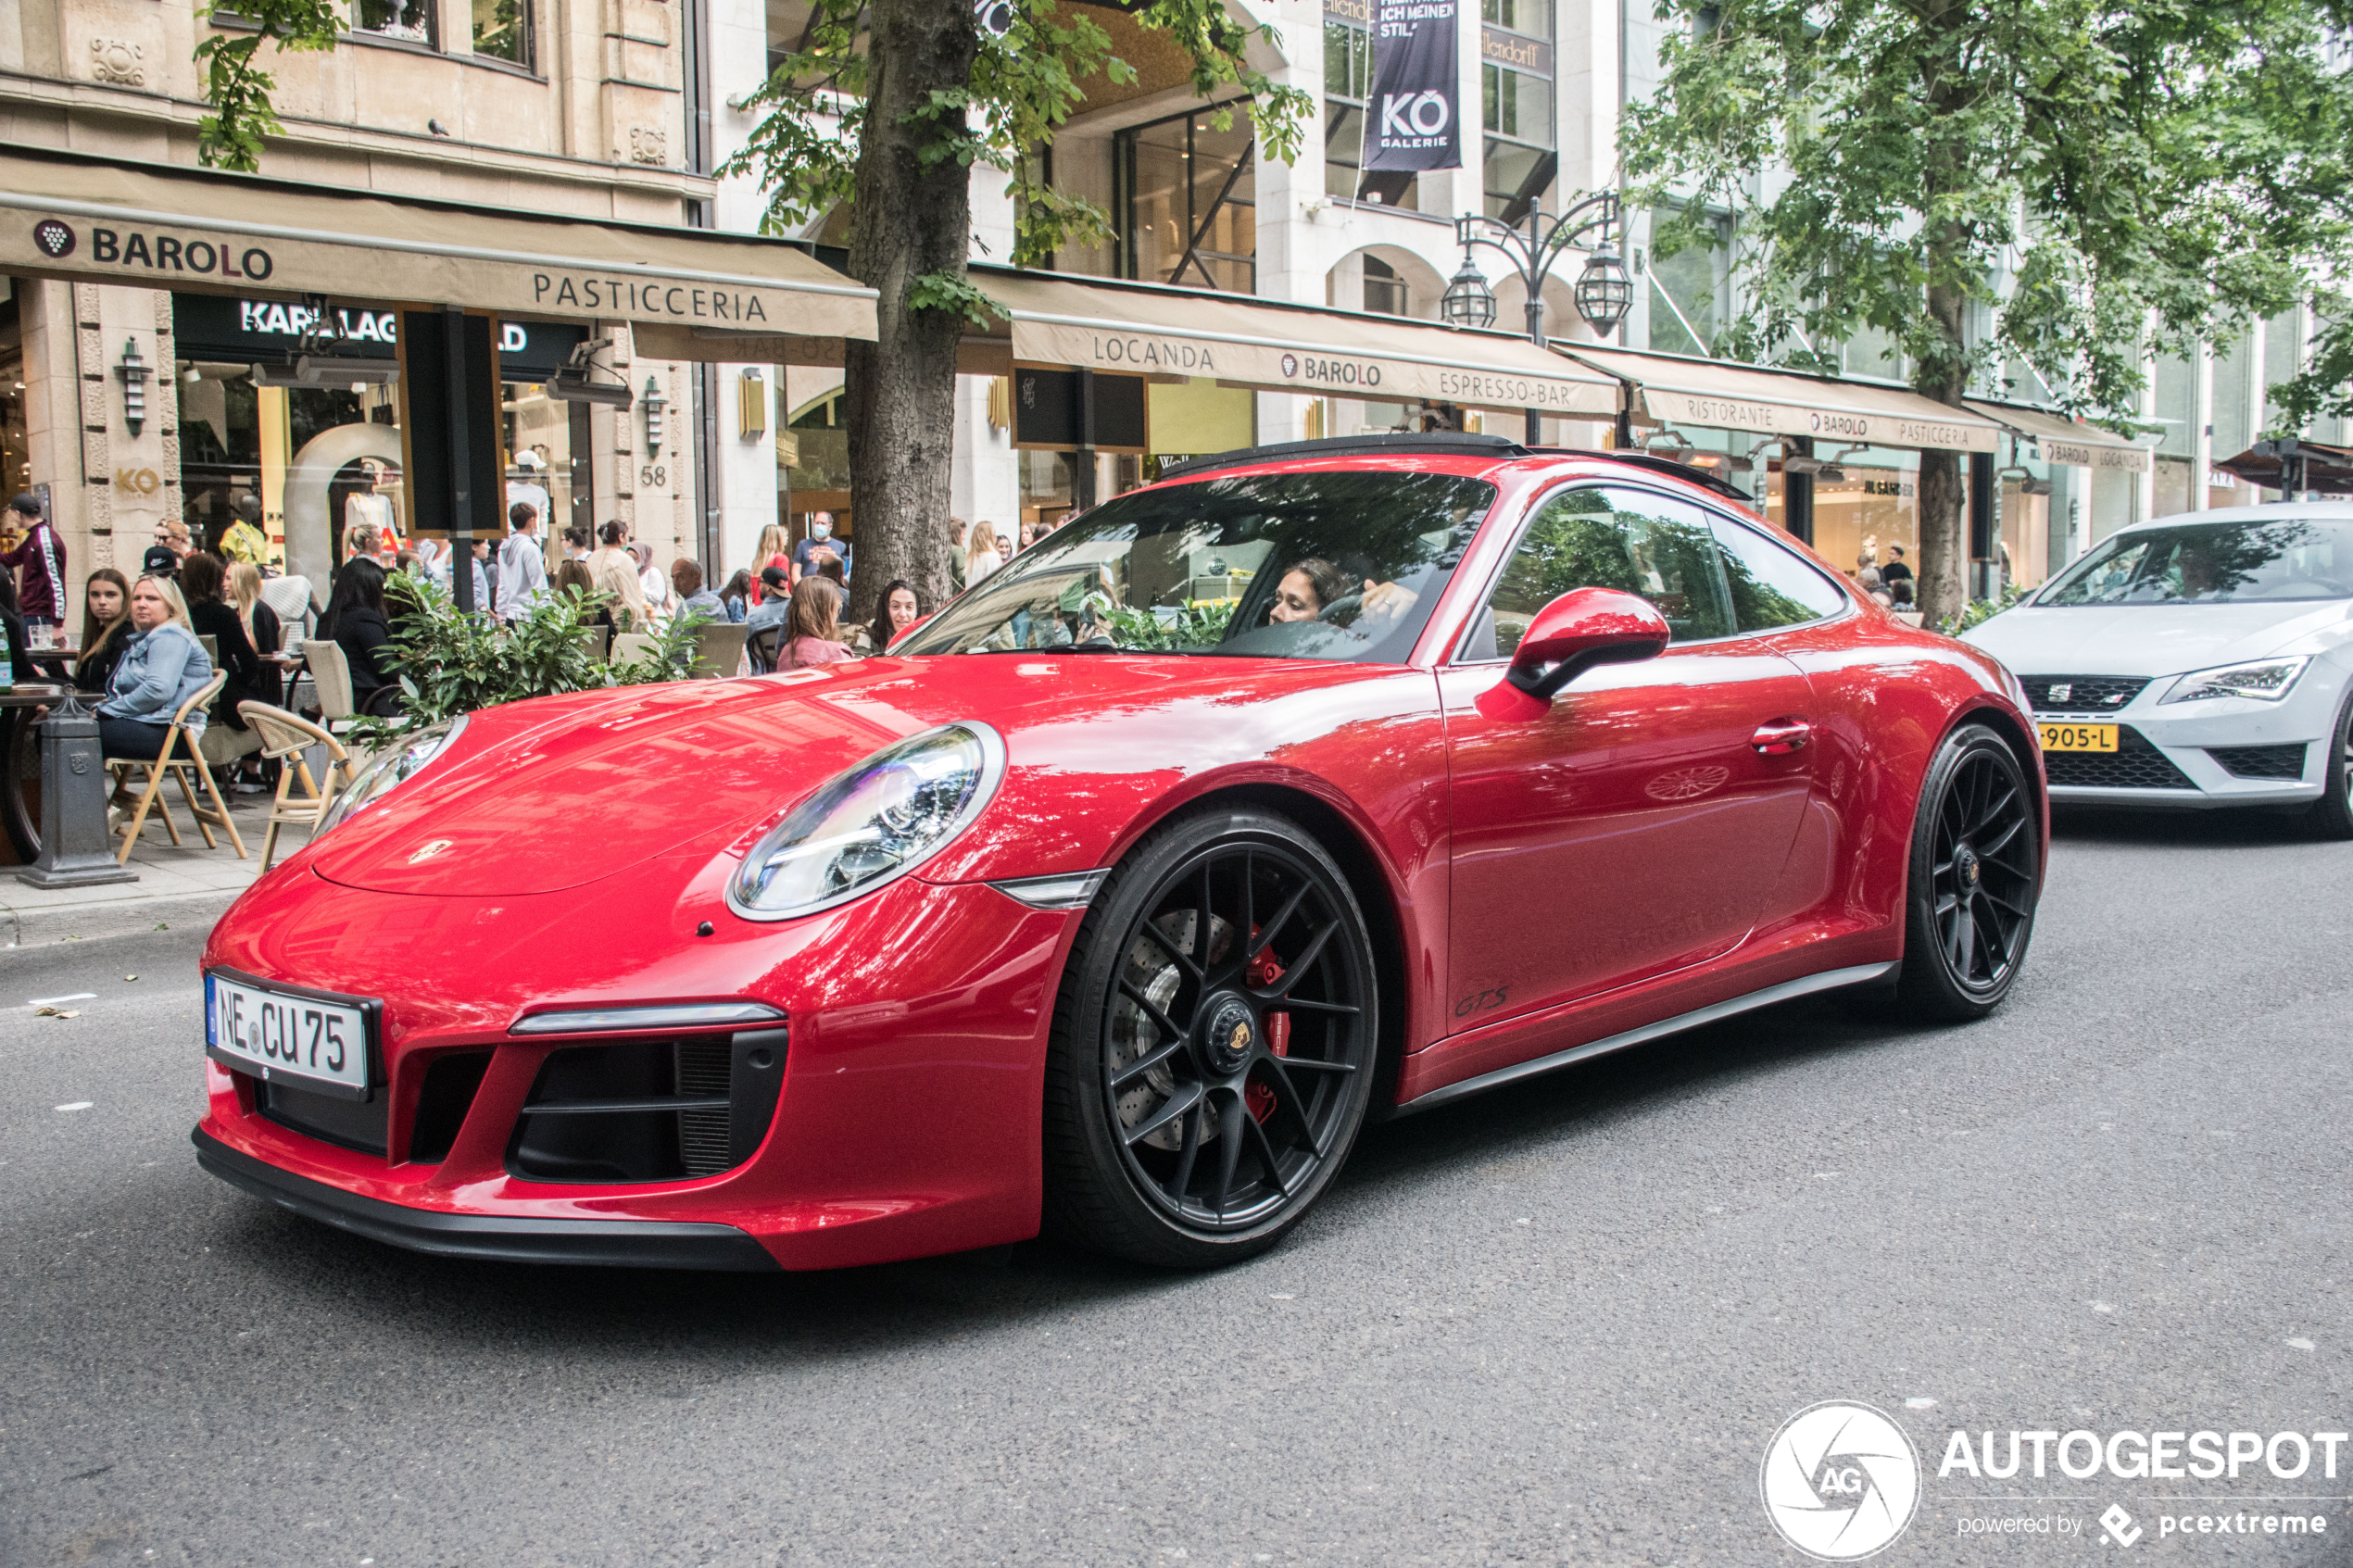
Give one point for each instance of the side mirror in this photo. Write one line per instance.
(1576, 632)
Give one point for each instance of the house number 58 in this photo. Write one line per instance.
(653, 478)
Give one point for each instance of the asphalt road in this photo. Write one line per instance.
(1562, 1322)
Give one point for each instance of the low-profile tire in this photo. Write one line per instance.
(1214, 1044)
(2332, 815)
(1976, 873)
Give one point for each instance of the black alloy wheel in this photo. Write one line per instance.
(2332, 815)
(1215, 1043)
(1976, 873)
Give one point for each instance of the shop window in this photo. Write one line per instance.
(538, 442)
(1515, 105)
(1686, 292)
(2175, 386)
(502, 30)
(1347, 84)
(410, 22)
(1187, 202)
(1384, 290)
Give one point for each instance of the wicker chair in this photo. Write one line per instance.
(178, 759)
(285, 739)
(764, 647)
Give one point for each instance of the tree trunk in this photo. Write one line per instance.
(910, 218)
(1942, 572)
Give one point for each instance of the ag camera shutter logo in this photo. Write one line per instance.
(1840, 1481)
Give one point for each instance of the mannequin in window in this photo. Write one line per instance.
(373, 509)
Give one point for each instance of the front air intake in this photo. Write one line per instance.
(650, 1110)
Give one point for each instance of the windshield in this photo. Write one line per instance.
(2211, 563)
(1344, 565)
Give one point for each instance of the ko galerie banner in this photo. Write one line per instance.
(1418, 75)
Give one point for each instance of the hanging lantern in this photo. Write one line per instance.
(1468, 302)
(1604, 291)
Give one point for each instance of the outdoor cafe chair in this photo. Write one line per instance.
(286, 739)
(719, 648)
(330, 678)
(630, 647)
(179, 758)
(761, 648)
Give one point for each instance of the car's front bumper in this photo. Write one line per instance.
(2183, 755)
(610, 1243)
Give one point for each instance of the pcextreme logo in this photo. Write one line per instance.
(1840, 1481)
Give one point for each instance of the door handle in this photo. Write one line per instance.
(1781, 737)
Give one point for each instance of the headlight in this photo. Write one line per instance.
(387, 769)
(876, 822)
(2266, 680)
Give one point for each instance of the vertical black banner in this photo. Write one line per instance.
(1413, 117)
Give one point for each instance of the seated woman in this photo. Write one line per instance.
(1315, 589)
(162, 666)
(105, 628)
(358, 616)
(813, 633)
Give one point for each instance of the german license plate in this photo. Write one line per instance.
(2078, 738)
(318, 1040)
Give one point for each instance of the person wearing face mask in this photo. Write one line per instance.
(821, 545)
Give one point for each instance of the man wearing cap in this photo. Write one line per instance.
(40, 557)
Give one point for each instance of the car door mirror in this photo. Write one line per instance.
(1576, 632)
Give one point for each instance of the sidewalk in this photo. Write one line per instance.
(189, 886)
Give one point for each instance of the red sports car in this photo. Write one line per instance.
(1307, 784)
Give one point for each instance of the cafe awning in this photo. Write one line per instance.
(1673, 390)
(1177, 334)
(94, 219)
(2326, 469)
(2059, 439)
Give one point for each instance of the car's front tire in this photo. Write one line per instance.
(2332, 815)
(1976, 873)
(1214, 1044)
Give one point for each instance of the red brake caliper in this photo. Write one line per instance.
(1264, 972)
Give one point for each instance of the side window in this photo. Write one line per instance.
(1771, 585)
(1608, 538)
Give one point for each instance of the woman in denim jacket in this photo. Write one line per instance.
(162, 667)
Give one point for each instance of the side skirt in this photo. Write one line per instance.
(1803, 986)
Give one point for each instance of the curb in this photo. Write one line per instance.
(108, 918)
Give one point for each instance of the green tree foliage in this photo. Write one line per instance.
(2145, 175)
(237, 86)
(1023, 86)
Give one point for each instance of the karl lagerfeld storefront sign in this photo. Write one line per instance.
(197, 257)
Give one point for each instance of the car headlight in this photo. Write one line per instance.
(2266, 680)
(876, 822)
(388, 770)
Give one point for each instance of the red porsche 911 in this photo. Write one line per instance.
(1309, 785)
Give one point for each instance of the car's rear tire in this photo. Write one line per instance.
(1976, 873)
(2332, 815)
(1170, 1082)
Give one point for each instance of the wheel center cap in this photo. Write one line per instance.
(1966, 863)
(1228, 1030)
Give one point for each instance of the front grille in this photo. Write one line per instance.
(2134, 764)
(451, 1082)
(650, 1110)
(352, 1124)
(2260, 762)
(2080, 693)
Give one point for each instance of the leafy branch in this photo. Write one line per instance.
(237, 86)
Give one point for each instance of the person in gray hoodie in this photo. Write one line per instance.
(162, 666)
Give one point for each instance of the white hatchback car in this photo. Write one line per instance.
(2201, 659)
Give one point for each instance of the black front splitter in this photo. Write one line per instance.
(632, 1244)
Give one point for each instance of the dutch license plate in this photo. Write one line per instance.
(324, 1043)
(2078, 738)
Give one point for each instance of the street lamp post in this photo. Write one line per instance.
(1604, 289)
